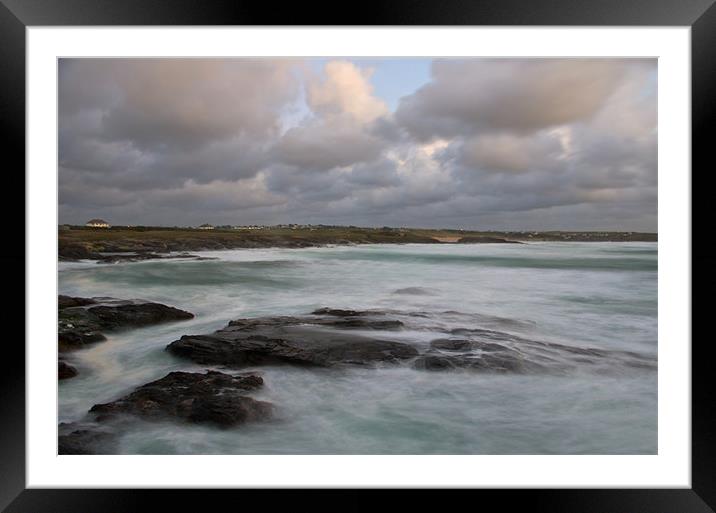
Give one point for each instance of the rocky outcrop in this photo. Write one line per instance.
(322, 339)
(330, 337)
(213, 398)
(112, 253)
(496, 363)
(448, 344)
(482, 356)
(485, 350)
(338, 312)
(68, 301)
(84, 438)
(72, 252)
(65, 370)
(81, 321)
(128, 314)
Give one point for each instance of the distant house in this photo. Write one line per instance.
(206, 226)
(97, 223)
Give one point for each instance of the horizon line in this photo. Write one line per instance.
(361, 227)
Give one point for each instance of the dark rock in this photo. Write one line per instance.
(294, 345)
(68, 301)
(65, 370)
(329, 337)
(113, 317)
(115, 258)
(503, 363)
(77, 327)
(434, 362)
(262, 322)
(355, 319)
(448, 344)
(74, 438)
(337, 312)
(214, 398)
(72, 338)
(81, 321)
(359, 320)
(484, 334)
(311, 340)
(368, 324)
(72, 252)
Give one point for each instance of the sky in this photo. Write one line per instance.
(488, 144)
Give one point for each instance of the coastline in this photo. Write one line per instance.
(110, 245)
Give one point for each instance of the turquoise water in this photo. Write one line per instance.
(581, 294)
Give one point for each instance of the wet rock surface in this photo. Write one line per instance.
(65, 370)
(486, 350)
(68, 301)
(212, 398)
(324, 338)
(128, 314)
(82, 321)
(111, 252)
(497, 363)
(84, 438)
(329, 337)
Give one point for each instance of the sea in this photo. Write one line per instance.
(599, 295)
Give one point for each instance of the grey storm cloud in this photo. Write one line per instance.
(505, 152)
(484, 143)
(151, 123)
(327, 145)
(382, 173)
(514, 95)
(525, 135)
(178, 102)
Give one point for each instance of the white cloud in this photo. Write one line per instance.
(345, 90)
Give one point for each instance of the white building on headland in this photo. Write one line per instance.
(97, 223)
(206, 226)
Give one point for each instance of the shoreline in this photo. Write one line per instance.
(134, 244)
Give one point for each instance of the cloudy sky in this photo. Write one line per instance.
(462, 143)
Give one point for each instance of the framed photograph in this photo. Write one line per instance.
(429, 246)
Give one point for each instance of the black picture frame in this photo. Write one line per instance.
(17, 15)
